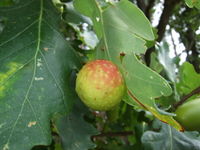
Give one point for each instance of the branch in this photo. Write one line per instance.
(195, 91)
(141, 5)
(194, 58)
(113, 134)
(147, 55)
(148, 8)
(164, 19)
(169, 6)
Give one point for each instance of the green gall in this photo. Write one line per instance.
(188, 115)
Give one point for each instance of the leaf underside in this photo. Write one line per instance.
(169, 138)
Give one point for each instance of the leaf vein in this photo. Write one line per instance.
(19, 33)
(62, 92)
(18, 50)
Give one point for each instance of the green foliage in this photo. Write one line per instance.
(193, 3)
(36, 64)
(74, 131)
(44, 43)
(168, 138)
(119, 35)
(6, 2)
(186, 24)
(155, 64)
(166, 61)
(189, 79)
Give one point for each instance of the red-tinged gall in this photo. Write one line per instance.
(100, 85)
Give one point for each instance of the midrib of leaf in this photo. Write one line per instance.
(103, 31)
(170, 137)
(32, 79)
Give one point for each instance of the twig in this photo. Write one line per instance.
(148, 8)
(113, 134)
(195, 91)
(141, 5)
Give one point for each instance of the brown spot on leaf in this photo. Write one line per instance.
(102, 48)
(122, 54)
(46, 49)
